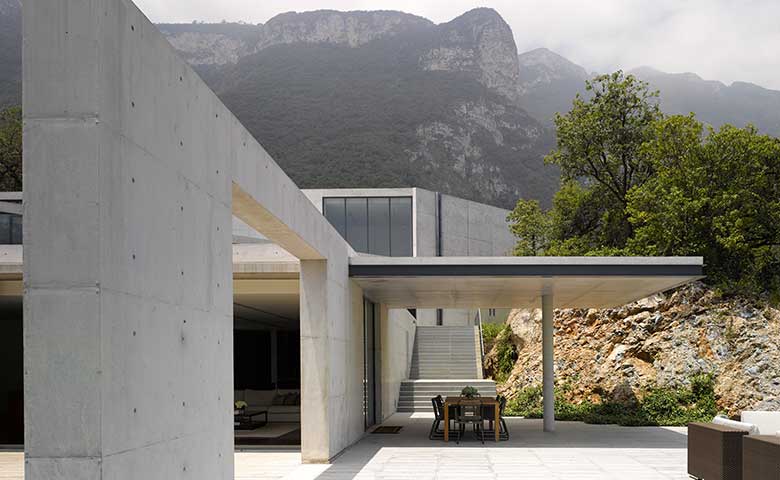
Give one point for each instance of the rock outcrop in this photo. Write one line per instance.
(481, 43)
(663, 340)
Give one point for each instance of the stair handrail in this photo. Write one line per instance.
(481, 344)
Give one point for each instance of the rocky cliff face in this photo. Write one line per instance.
(220, 44)
(615, 354)
(481, 43)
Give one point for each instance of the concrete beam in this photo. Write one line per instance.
(10, 207)
(255, 214)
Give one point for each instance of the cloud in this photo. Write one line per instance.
(717, 39)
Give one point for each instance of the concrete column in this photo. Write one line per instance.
(331, 359)
(547, 363)
(128, 346)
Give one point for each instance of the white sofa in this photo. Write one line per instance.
(282, 405)
(768, 423)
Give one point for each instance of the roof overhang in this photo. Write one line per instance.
(518, 282)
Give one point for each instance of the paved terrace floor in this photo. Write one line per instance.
(574, 451)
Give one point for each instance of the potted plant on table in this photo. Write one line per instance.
(469, 392)
(240, 407)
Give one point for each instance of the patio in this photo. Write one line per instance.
(575, 450)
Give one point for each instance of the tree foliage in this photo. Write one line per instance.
(11, 149)
(637, 182)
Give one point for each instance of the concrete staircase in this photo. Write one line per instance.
(446, 352)
(444, 360)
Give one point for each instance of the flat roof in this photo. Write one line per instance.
(518, 282)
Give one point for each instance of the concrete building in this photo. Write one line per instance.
(133, 172)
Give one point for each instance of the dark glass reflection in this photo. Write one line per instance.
(375, 225)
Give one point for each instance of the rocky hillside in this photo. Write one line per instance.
(664, 340)
(381, 99)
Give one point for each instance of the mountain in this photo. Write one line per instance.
(549, 82)
(381, 99)
(715, 102)
(384, 98)
(10, 52)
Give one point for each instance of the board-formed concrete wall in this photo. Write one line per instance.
(132, 170)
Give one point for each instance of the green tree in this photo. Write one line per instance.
(716, 195)
(601, 156)
(11, 149)
(600, 139)
(531, 227)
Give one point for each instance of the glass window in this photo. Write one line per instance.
(10, 229)
(401, 226)
(375, 225)
(333, 209)
(16, 229)
(379, 226)
(357, 223)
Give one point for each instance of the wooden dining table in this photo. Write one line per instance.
(456, 401)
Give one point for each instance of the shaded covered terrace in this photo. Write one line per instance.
(521, 282)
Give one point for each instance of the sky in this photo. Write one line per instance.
(724, 40)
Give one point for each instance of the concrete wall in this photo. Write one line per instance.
(467, 229)
(397, 330)
(474, 229)
(127, 233)
(132, 169)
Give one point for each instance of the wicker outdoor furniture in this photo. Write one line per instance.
(714, 451)
(761, 457)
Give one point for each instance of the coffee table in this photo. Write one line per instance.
(244, 419)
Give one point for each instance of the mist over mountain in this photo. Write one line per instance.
(387, 99)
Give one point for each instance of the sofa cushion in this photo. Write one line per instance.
(766, 422)
(727, 422)
(259, 398)
(284, 409)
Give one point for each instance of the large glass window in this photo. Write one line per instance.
(401, 226)
(379, 226)
(375, 225)
(357, 224)
(10, 229)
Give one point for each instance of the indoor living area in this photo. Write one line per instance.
(267, 367)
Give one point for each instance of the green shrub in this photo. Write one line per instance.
(659, 406)
(506, 355)
(490, 331)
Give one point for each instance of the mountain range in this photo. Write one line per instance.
(386, 99)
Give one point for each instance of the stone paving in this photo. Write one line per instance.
(574, 451)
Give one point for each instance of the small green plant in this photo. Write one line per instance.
(469, 391)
